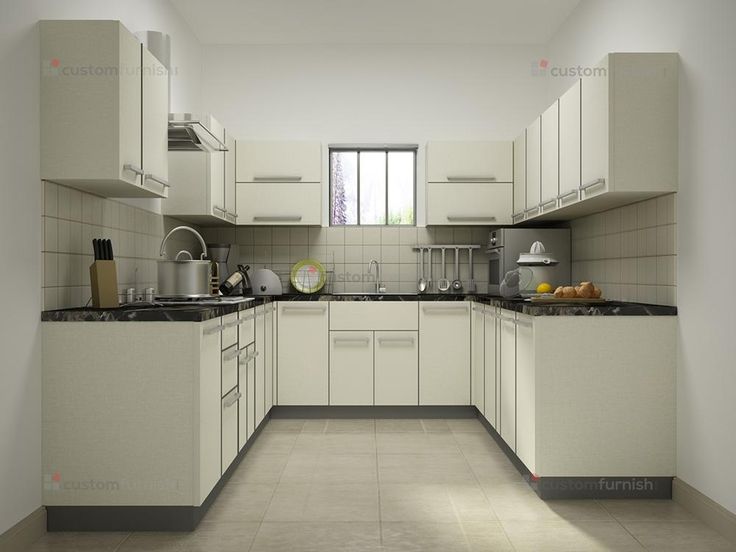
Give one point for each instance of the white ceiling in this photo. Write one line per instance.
(375, 21)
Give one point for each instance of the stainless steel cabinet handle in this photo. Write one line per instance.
(133, 168)
(445, 309)
(231, 399)
(530, 209)
(595, 182)
(219, 209)
(548, 202)
(277, 218)
(303, 309)
(246, 318)
(395, 340)
(464, 218)
(524, 322)
(250, 357)
(214, 330)
(517, 215)
(360, 340)
(277, 178)
(506, 318)
(478, 309)
(567, 194)
(237, 353)
(478, 178)
(158, 180)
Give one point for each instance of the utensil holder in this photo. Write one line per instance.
(103, 277)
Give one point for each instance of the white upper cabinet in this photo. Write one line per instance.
(231, 208)
(569, 144)
(550, 156)
(279, 183)
(533, 166)
(469, 183)
(519, 177)
(469, 162)
(279, 162)
(618, 135)
(102, 133)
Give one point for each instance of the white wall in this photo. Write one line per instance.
(373, 93)
(702, 32)
(20, 216)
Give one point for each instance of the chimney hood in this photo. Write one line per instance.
(192, 132)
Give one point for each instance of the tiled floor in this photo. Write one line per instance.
(400, 485)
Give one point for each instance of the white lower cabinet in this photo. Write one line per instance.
(525, 391)
(260, 367)
(303, 359)
(444, 353)
(477, 375)
(396, 368)
(268, 355)
(229, 428)
(507, 409)
(490, 363)
(351, 368)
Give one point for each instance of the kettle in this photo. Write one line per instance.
(237, 278)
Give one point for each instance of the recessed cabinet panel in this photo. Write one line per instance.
(507, 413)
(491, 363)
(279, 161)
(397, 368)
(477, 359)
(351, 368)
(468, 203)
(519, 202)
(279, 203)
(550, 157)
(570, 144)
(469, 162)
(533, 165)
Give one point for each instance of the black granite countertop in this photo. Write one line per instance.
(151, 312)
(609, 308)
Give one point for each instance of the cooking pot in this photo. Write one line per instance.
(181, 277)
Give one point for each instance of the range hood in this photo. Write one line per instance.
(192, 132)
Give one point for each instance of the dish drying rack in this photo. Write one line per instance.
(285, 276)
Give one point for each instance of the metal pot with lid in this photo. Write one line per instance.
(184, 278)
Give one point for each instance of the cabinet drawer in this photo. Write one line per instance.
(229, 428)
(373, 315)
(247, 327)
(469, 203)
(279, 161)
(230, 330)
(230, 368)
(279, 203)
(469, 162)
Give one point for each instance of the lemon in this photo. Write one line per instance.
(544, 287)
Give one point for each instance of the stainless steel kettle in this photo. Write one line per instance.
(184, 278)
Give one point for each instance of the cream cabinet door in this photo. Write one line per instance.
(260, 368)
(210, 406)
(279, 203)
(594, 123)
(444, 353)
(469, 162)
(351, 368)
(525, 391)
(533, 166)
(216, 191)
(279, 161)
(155, 124)
(303, 359)
(570, 144)
(507, 382)
(396, 368)
(477, 375)
(519, 202)
(550, 157)
(230, 206)
(268, 353)
(491, 363)
(229, 428)
(468, 203)
(246, 367)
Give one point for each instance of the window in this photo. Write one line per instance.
(373, 185)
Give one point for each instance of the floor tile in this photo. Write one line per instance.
(259, 468)
(416, 443)
(423, 536)
(470, 425)
(351, 426)
(399, 426)
(492, 467)
(284, 426)
(239, 503)
(416, 502)
(569, 536)
(317, 537)
(223, 537)
(470, 503)
(274, 443)
(676, 536)
(314, 426)
(81, 542)
(486, 536)
(436, 426)
(349, 502)
(346, 468)
(288, 503)
(424, 468)
(475, 442)
(646, 510)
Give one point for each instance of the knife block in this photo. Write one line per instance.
(103, 276)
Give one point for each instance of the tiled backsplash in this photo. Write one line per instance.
(71, 219)
(631, 251)
(348, 250)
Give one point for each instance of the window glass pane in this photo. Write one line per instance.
(373, 187)
(401, 187)
(344, 179)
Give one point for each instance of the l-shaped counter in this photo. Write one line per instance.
(144, 423)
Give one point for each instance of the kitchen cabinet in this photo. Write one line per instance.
(477, 376)
(444, 353)
(260, 366)
(627, 147)
(103, 134)
(351, 367)
(246, 403)
(230, 205)
(269, 356)
(569, 144)
(209, 405)
(229, 441)
(525, 391)
(533, 166)
(396, 368)
(279, 183)
(519, 192)
(550, 156)
(202, 193)
(469, 183)
(507, 380)
(491, 364)
(303, 353)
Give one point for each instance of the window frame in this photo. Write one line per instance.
(385, 148)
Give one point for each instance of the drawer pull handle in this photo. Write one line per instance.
(231, 399)
(157, 180)
(396, 341)
(479, 178)
(464, 218)
(592, 183)
(429, 310)
(234, 354)
(277, 218)
(277, 178)
(302, 309)
(356, 340)
(214, 330)
(250, 357)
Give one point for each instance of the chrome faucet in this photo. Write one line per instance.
(380, 288)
